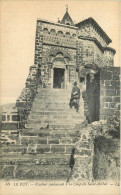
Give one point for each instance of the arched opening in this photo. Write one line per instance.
(68, 23)
(59, 54)
(67, 34)
(45, 30)
(60, 33)
(59, 73)
(73, 35)
(52, 32)
(59, 78)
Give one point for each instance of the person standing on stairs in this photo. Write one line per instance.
(75, 97)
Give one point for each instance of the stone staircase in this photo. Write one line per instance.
(51, 107)
(44, 147)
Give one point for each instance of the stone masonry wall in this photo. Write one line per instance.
(100, 147)
(108, 58)
(89, 53)
(57, 37)
(89, 31)
(106, 162)
(38, 45)
(110, 93)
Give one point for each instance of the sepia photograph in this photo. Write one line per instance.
(60, 97)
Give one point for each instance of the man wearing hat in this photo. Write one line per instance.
(75, 97)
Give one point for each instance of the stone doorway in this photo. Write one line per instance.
(59, 78)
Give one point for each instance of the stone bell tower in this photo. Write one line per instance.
(55, 52)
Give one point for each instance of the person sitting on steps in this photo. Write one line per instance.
(75, 97)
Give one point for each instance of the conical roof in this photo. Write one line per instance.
(67, 19)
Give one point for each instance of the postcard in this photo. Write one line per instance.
(60, 97)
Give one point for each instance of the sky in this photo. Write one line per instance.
(18, 27)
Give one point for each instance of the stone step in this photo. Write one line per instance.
(54, 96)
(60, 98)
(51, 102)
(53, 91)
(54, 122)
(53, 116)
(58, 117)
(62, 116)
(64, 126)
(48, 149)
(55, 112)
(54, 125)
(60, 139)
(19, 149)
(51, 105)
(50, 95)
(43, 172)
(38, 149)
(47, 132)
(35, 159)
(56, 109)
(54, 100)
(35, 132)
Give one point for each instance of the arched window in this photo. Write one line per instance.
(52, 31)
(67, 23)
(45, 30)
(67, 58)
(60, 33)
(59, 54)
(67, 34)
(73, 35)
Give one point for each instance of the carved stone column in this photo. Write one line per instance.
(50, 74)
(69, 85)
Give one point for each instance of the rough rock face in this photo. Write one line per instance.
(99, 143)
(106, 159)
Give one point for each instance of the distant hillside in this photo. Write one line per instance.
(7, 107)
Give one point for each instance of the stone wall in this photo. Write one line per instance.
(108, 57)
(89, 51)
(25, 100)
(110, 93)
(79, 53)
(106, 161)
(89, 31)
(38, 45)
(97, 153)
